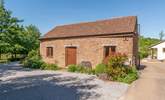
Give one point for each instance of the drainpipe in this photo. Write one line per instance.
(139, 63)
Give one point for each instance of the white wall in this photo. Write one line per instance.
(160, 53)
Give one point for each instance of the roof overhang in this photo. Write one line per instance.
(127, 34)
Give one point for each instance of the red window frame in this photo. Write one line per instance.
(49, 51)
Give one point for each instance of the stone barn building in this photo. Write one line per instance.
(91, 42)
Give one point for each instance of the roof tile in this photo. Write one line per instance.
(102, 27)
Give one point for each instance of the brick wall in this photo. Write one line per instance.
(88, 48)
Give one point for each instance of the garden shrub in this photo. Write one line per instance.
(131, 76)
(89, 71)
(72, 68)
(92, 71)
(84, 69)
(117, 59)
(80, 69)
(46, 66)
(33, 60)
(117, 71)
(100, 68)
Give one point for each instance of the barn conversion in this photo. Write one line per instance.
(91, 42)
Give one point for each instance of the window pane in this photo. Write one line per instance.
(106, 51)
(113, 49)
(49, 51)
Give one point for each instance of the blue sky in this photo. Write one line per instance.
(46, 14)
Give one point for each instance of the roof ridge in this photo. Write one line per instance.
(112, 18)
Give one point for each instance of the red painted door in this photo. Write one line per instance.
(70, 55)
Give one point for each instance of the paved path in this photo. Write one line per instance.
(18, 83)
(150, 86)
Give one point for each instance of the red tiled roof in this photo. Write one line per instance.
(102, 27)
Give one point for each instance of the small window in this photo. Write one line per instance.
(109, 50)
(49, 51)
(106, 51)
(163, 50)
(113, 49)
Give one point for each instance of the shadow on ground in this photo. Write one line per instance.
(45, 87)
(141, 67)
(11, 68)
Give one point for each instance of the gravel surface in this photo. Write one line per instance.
(150, 85)
(19, 83)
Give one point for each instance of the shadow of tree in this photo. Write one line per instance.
(141, 67)
(11, 68)
(47, 87)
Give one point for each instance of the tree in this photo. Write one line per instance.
(161, 35)
(10, 31)
(4, 14)
(144, 45)
(15, 38)
(30, 38)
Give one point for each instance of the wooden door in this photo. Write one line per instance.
(71, 55)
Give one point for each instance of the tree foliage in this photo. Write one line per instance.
(30, 38)
(144, 45)
(15, 38)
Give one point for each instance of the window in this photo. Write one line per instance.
(106, 51)
(163, 50)
(109, 50)
(49, 51)
(113, 49)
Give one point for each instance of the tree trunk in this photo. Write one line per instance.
(15, 55)
(0, 56)
(12, 56)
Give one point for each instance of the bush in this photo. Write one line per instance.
(46, 66)
(100, 68)
(131, 76)
(88, 70)
(33, 60)
(117, 59)
(80, 69)
(72, 68)
(84, 69)
(117, 71)
(114, 69)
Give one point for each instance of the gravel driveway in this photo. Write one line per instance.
(17, 83)
(150, 85)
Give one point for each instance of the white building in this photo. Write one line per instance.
(158, 51)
